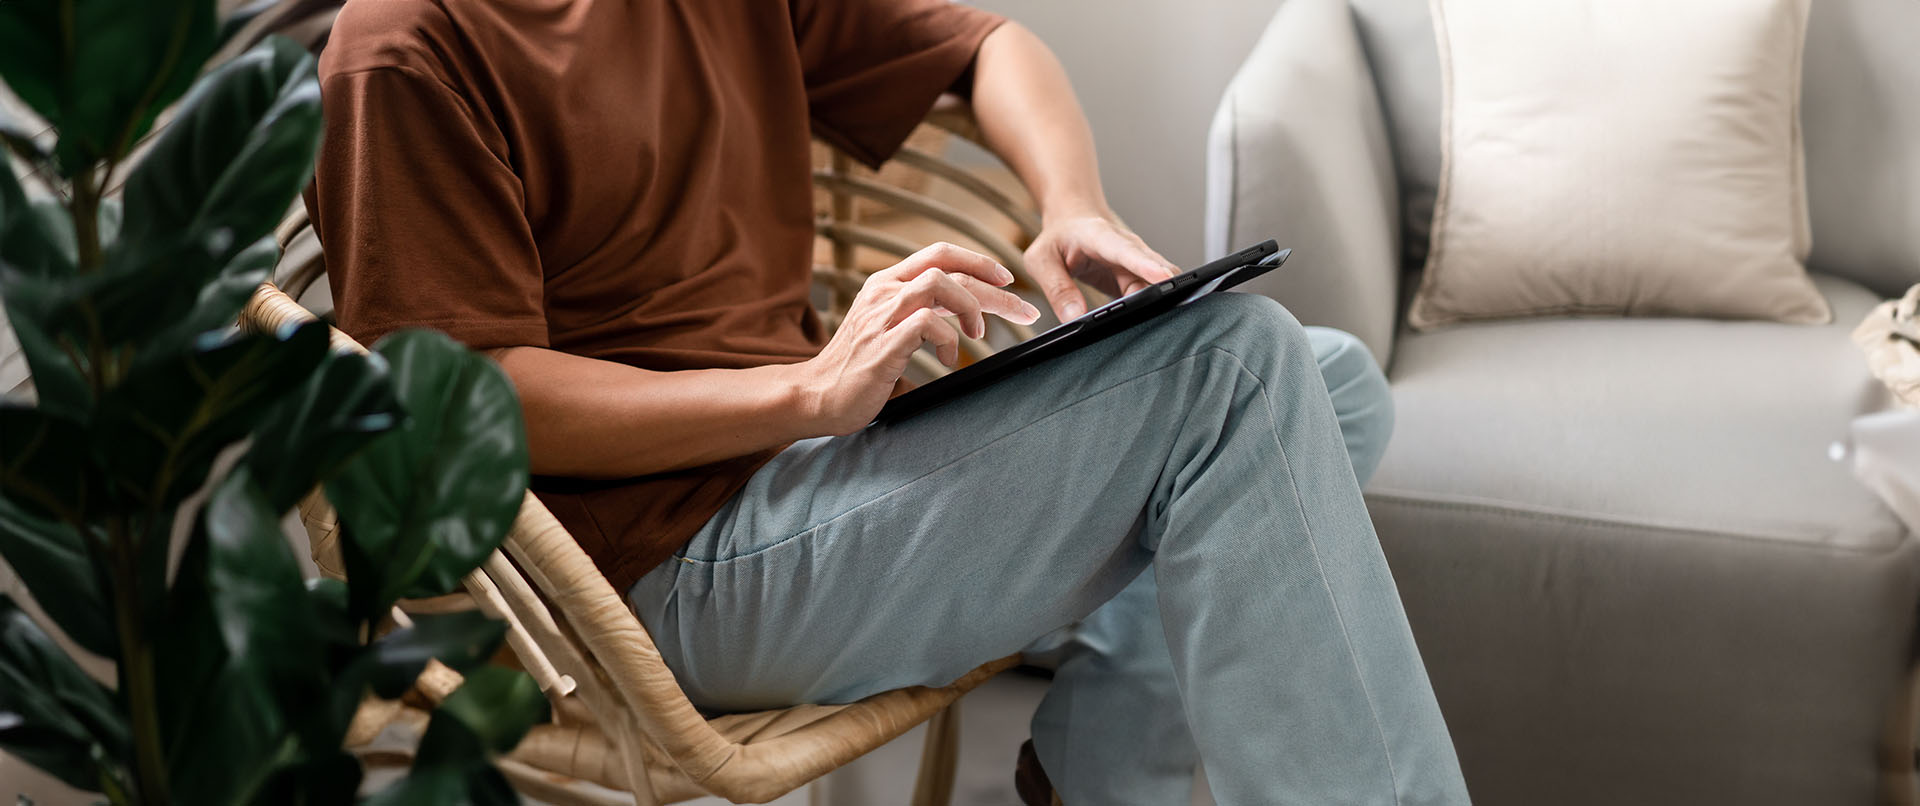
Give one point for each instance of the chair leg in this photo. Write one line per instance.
(939, 759)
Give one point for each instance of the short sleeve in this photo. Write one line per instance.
(873, 68)
(422, 221)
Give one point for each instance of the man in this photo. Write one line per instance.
(611, 198)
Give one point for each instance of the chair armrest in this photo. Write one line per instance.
(1299, 152)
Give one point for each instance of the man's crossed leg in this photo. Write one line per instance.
(1202, 444)
(1111, 730)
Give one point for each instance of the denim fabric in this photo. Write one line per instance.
(1203, 445)
(1110, 730)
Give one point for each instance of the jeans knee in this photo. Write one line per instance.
(1362, 400)
(1249, 325)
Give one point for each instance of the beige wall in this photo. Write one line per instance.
(1149, 73)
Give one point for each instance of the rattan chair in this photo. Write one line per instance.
(621, 722)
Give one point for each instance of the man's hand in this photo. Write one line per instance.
(898, 310)
(1097, 250)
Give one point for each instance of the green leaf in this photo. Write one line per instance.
(367, 575)
(30, 54)
(44, 486)
(57, 382)
(241, 602)
(49, 324)
(339, 636)
(52, 560)
(37, 257)
(43, 462)
(51, 714)
(219, 301)
(488, 714)
(101, 70)
(327, 777)
(259, 597)
(225, 170)
(311, 434)
(158, 432)
(208, 193)
(194, 230)
(36, 236)
(459, 640)
(334, 627)
(209, 702)
(426, 503)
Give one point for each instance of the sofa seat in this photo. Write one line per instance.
(1624, 547)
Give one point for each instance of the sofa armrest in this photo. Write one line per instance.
(1299, 152)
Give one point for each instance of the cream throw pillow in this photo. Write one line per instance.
(1637, 157)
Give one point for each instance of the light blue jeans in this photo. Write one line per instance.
(1110, 730)
(1202, 445)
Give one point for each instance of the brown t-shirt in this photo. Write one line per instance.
(620, 179)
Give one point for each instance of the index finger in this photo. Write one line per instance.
(952, 259)
(1136, 259)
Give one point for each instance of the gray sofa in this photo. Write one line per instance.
(1635, 572)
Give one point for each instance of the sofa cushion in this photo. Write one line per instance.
(1684, 423)
(1635, 574)
(1861, 122)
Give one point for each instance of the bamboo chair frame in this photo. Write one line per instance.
(623, 731)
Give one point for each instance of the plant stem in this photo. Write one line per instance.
(137, 683)
(85, 211)
(138, 686)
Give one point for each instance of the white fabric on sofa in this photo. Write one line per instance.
(1620, 157)
(1862, 129)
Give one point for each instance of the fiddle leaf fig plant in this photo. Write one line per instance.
(143, 488)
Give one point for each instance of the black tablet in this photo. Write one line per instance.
(1090, 327)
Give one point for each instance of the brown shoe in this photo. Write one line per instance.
(1030, 781)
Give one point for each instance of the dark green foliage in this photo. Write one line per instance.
(338, 409)
(487, 715)
(101, 70)
(234, 678)
(419, 538)
(52, 714)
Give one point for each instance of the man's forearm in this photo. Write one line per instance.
(1030, 118)
(588, 418)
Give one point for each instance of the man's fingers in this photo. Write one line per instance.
(1051, 275)
(938, 290)
(952, 259)
(926, 327)
(1171, 267)
(965, 298)
(999, 301)
(1134, 258)
(1168, 265)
